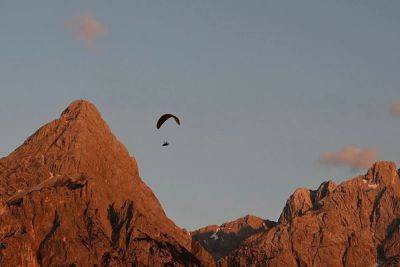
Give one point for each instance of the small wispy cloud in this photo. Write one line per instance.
(86, 28)
(351, 156)
(395, 108)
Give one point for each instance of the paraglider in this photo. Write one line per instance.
(163, 119)
(165, 144)
(166, 117)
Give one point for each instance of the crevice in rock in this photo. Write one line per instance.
(347, 246)
(375, 206)
(117, 221)
(41, 251)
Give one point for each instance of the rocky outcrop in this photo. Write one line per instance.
(71, 195)
(353, 224)
(222, 240)
(303, 200)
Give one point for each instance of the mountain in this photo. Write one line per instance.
(222, 240)
(71, 195)
(356, 223)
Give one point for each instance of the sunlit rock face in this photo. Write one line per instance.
(353, 224)
(71, 195)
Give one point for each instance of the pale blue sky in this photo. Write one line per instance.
(262, 87)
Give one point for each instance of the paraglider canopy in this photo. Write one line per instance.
(166, 117)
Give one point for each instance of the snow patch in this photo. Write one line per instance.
(370, 185)
(214, 236)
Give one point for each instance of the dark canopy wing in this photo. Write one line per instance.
(165, 117)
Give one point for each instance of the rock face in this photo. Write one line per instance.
(71, 195)
(302, 200)
(222, 240)
(356, 223)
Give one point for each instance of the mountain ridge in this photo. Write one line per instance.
(354, 224)
(72, 195)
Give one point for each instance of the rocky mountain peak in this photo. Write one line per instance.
(384, 173)
(74, 193)
(297, 204)
(82, 108)
(80, 142)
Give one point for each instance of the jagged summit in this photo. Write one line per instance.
(354, 223)
(73, 187)
(81, 107)
(80, 128)
(80, 141)
(383, 172)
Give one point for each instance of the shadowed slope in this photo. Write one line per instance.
(222, 240)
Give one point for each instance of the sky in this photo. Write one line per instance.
(273, 95)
